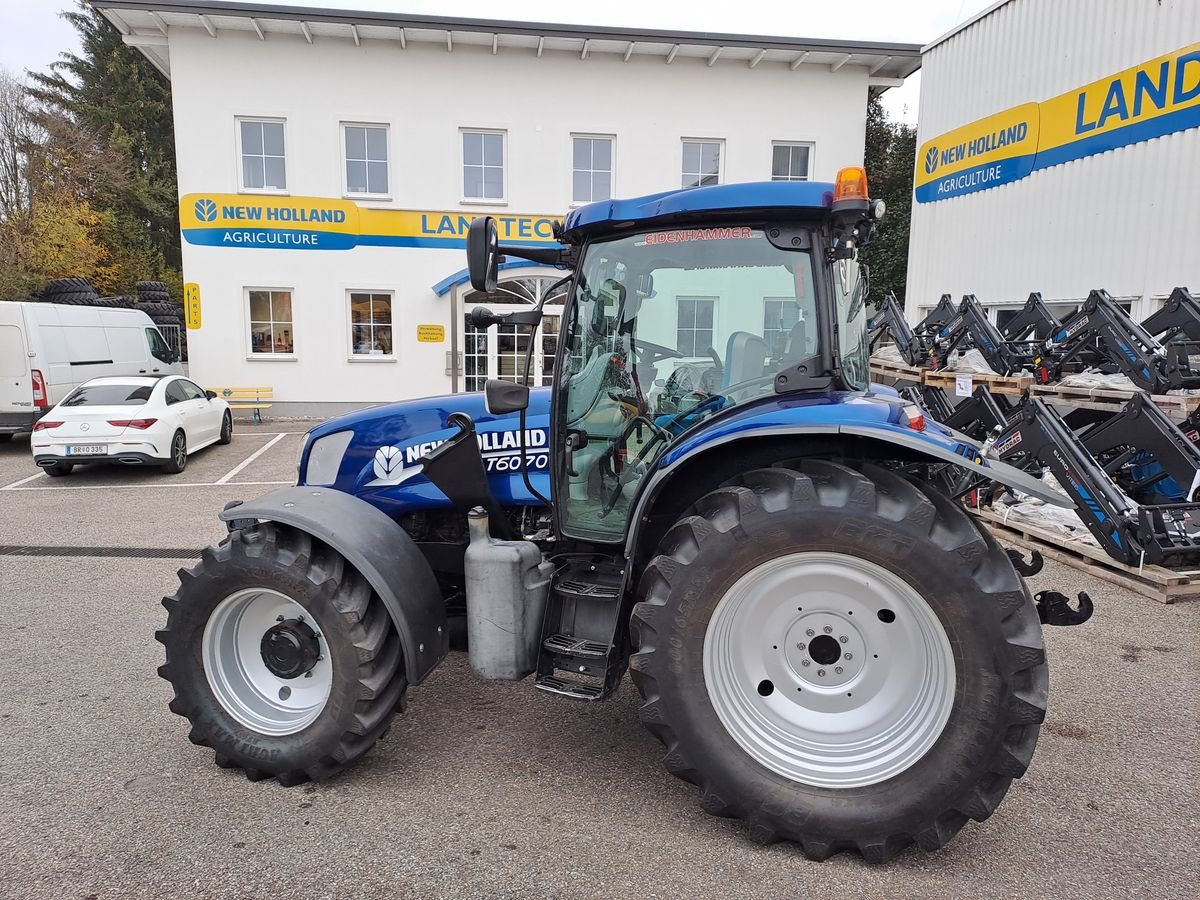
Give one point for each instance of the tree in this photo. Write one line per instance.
(891, 149)
(113, 92)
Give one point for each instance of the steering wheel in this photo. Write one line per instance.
(652, 354)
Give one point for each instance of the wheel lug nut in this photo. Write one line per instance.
(800, 645)
(804, 662)
(828, 629)
(279, 618)
(810, 632)
(837, 669)
(821, 672)
(849, 656)
(843, 639)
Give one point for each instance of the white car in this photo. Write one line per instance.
(133, 420)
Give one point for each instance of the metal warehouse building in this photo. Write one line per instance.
(330, 162)
(1058, 151)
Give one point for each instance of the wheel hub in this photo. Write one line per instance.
(290, 648)
(829, 669)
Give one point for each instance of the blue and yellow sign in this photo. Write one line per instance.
(324, 223)
(1146, 101)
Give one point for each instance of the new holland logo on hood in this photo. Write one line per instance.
(501, 452)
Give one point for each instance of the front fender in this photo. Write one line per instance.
(378, 548)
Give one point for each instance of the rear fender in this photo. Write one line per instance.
(952, 448)
(378, 548)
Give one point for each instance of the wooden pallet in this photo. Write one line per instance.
(1012, 385)
(1175, 406)
(1156, 582)
(889, 370)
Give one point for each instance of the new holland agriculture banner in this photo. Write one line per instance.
(325, 223)
(1143, 102)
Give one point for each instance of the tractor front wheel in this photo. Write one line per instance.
(839, 657)
(282, 657)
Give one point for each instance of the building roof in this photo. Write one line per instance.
(699, 204)
(145, 23)
(962, 26)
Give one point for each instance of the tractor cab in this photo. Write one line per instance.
(684, 306)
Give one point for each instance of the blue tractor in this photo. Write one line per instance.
(711, 495)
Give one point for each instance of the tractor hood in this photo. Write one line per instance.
(381, 460)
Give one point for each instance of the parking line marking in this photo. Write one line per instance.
(224, 479)
(13, 486)
(150, 484)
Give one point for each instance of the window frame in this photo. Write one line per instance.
(709, 297)
(251, 353)
(241, 172)
(612, 165)
(812, 152)
(387, 161)
(502, 200)
(720, 142)
(369, 357)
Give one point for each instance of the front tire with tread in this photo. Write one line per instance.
(369, 681)
(909, 529)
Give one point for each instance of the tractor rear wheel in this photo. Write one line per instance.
(839, 657)
(282, 657)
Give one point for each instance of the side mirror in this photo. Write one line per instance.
(503, 397)
(483, 254)
(211, 395)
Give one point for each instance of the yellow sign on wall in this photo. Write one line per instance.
(1145, 101)
(431, 334)
(191, 305)
(329, 223)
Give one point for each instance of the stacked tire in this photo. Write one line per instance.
(70, 291)
(153, 292)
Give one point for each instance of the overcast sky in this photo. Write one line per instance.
(32, 34)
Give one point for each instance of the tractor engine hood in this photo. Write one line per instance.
(381, 464)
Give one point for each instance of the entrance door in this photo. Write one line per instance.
(499, 351)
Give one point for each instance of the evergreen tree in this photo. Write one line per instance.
(112, 91)
(890, 156)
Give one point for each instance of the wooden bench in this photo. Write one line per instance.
(252, 398)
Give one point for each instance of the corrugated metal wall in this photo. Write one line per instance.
(1127, 220)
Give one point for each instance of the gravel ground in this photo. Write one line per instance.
(496, 790)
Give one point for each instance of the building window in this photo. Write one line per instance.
(483, 165)
(262, 151)
(790, 162)
(779, 318)
(366, 159)
(370, 323)
(591, 168)
(701, 163)
(694, 325)
(271, 327)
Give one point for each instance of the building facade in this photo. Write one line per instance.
(329, 167)
(1057, 152)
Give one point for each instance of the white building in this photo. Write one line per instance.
(330, 162)
(1057, 152)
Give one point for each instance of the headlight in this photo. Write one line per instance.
(325, 457)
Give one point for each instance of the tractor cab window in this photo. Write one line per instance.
(666, 329)
(850, 292)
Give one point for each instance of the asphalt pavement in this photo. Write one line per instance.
(487, 790)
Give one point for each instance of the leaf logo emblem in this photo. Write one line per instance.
(387, 461)
(206, 211)
(931, 160)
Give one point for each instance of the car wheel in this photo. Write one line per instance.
(59, 469)
(227, 428)
(178, 459)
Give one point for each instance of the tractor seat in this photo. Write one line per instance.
(745, 358)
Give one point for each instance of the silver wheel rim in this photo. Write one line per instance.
(243, 685)
(845, 721)
(180, 450)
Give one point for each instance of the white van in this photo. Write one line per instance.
(48, 349)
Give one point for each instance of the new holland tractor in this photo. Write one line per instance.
(711, 495)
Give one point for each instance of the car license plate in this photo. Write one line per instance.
(87, 449)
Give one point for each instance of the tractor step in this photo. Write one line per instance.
(573, 689)
(582, 654)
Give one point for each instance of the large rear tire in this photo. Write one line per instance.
(840, 658)
(282, 657)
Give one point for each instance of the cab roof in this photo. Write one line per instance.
(724, 201)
